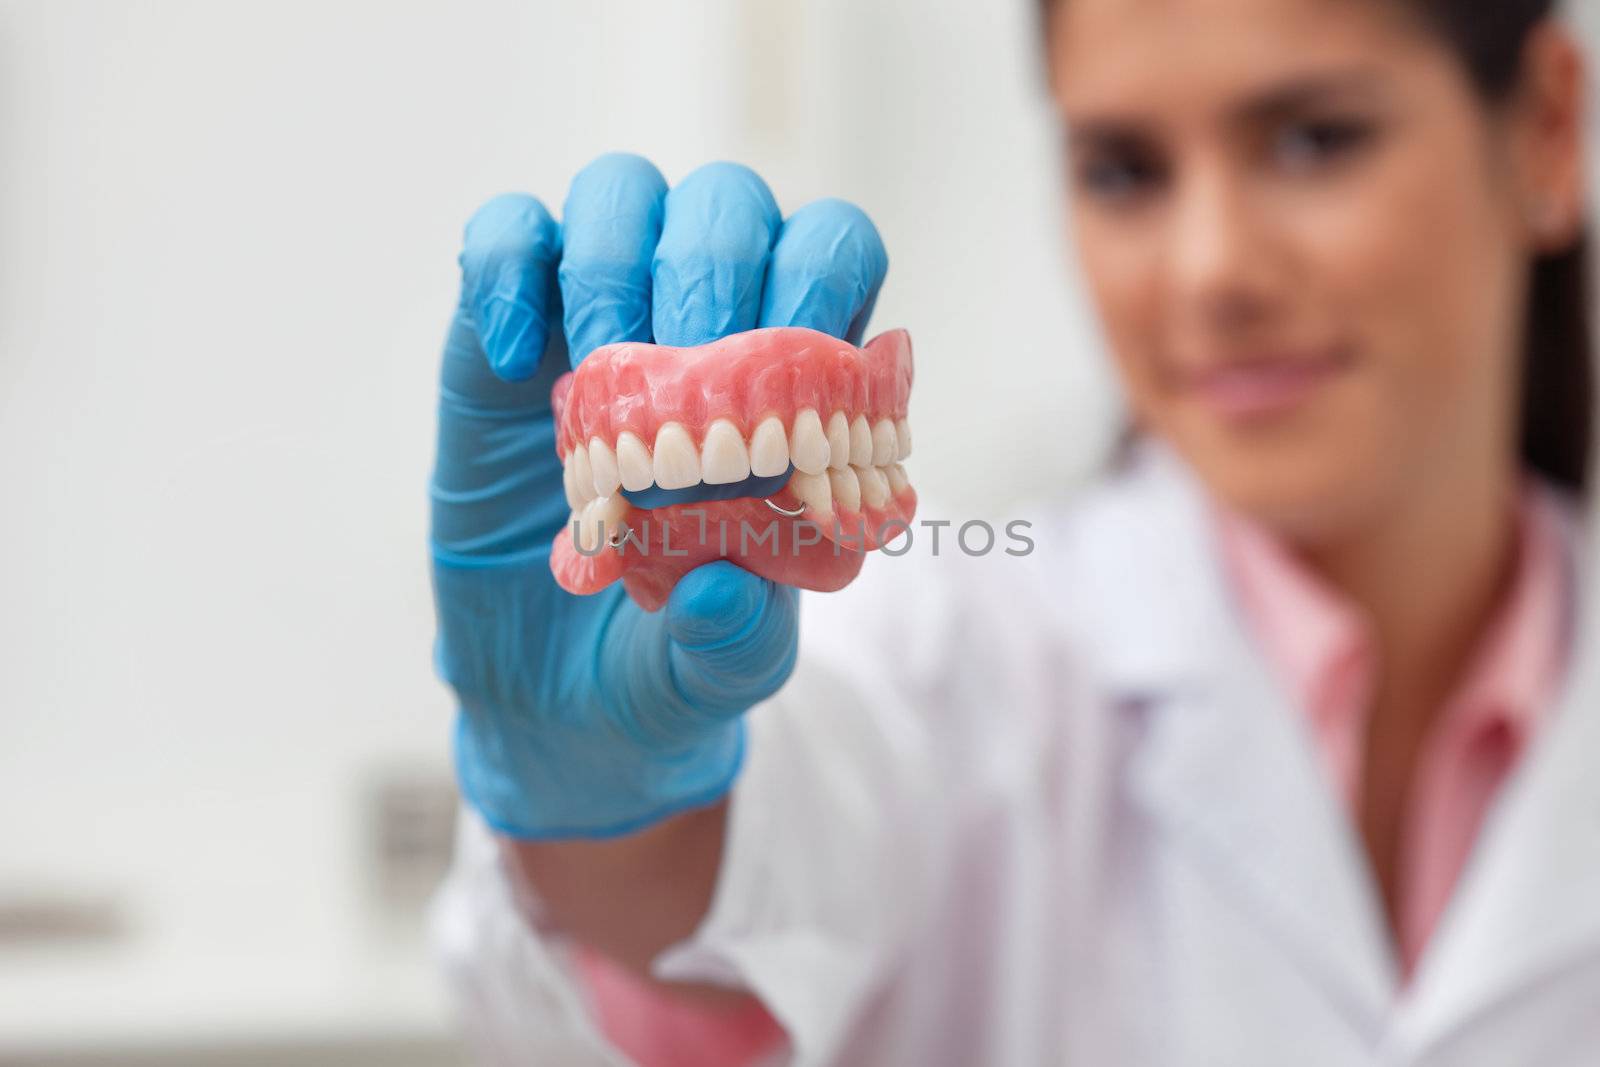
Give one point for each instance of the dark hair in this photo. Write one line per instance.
(1558, 378)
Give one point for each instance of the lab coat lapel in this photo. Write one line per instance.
(1528, 904)
(1224, 763)
(1227, 773)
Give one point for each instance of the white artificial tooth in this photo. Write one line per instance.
(633, 463)
(769, 450)
(838, 441)
(902, 436)
(898, 482)
(813, 491)
(587, 536)
(603, 462)
(569, 483)
(883, 443)
(846, 489)
(676, 462)
(808, 445)
(723, 459)
(860, 442)
(874, 486)
(582, 473)
(608, 514)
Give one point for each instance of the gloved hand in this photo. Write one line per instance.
(585, 716)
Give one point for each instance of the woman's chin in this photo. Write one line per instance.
(1310, 491)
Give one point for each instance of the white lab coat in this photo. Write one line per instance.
(1059, 810)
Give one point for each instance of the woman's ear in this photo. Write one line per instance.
(1549, 117)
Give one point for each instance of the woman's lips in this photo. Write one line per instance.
(1264, 387)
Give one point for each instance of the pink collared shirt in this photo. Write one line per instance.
(657, 1029)
(1321, 649)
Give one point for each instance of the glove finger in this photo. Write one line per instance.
(708, 269)
(611, 224)
(508, 282)
(733, 636)
(825, 271)
(496, 488)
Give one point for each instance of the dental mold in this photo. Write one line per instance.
(636, 418)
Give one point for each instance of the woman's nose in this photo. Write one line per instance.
(1223, 267)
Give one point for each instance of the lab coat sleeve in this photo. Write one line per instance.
(834, 848)
(838, 842)
(516, 994)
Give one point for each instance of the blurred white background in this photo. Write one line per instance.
(227, 258)
(227, 241)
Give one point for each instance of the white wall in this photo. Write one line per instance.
(227, 240)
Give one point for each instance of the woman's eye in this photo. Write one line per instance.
(1311, 144)
(1116, 179)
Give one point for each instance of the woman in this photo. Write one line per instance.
(1277, 749)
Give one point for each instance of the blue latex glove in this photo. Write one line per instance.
(585, 716)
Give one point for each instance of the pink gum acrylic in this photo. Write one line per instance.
(743, 378)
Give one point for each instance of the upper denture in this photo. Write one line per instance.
(744, 379)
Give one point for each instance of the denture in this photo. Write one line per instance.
(804, 431)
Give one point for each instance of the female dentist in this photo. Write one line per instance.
(1280, 748)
